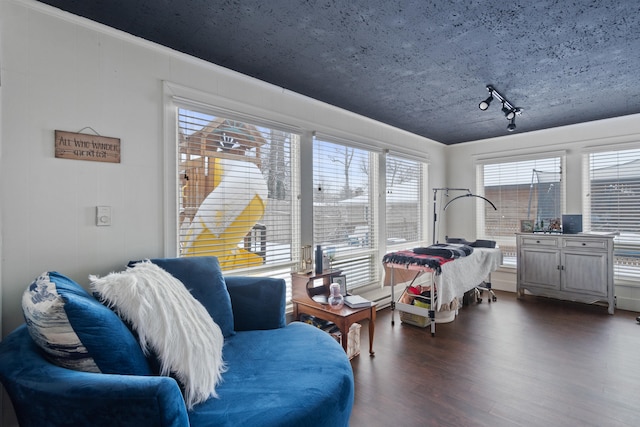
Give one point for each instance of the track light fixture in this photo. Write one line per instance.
(508, 109)
(485, 104)
(508, 113)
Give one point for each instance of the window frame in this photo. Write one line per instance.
(353, 258)
(253, 138)
(175, 95)
(510, 258)
(422, 203)
(624, 246)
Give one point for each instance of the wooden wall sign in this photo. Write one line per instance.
(82, 146)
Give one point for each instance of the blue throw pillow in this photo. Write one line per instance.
(203, 277)
(78, 332)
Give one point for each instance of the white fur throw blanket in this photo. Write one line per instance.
(171, 322)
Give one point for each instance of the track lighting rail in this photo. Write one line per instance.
(508, 109)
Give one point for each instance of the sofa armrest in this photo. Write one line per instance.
(257, 302)
(44, 394)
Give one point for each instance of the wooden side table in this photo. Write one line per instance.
(303, 289)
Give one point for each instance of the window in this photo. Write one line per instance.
(404, 215)
(525, 189)
(237, 183)
(344, 209)
(612, 205)
(235, 192)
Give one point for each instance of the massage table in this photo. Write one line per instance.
(451, 279)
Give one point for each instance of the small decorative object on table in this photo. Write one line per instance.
(329, 257)
(319, 258)
(342, 281)
(335, 300)
(306, 263)
(526, 226)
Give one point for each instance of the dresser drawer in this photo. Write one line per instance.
(540, 241)
(586, 243)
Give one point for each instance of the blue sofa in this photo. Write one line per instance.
(278, 375)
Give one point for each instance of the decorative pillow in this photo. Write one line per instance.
(169, 322)
(203, 278)
(76, 331)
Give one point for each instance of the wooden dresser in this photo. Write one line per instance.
(576, 267)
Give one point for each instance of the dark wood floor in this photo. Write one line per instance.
(528, 362)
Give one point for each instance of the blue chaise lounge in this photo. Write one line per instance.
(277, 374)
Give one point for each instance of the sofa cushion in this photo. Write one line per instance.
(171, 323)
(297, 375)
(76, 331)
(203, 277)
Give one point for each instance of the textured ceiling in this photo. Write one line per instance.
(418, 65)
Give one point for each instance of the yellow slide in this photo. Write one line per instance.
(228, 213)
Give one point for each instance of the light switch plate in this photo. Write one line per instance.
(103, 216)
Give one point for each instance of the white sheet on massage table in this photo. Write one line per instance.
(466, 273)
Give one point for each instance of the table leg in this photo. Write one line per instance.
(432, 320)
(343, 325)
(393, 299)
(372, 328)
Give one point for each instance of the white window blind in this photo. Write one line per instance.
(612, 205)
(235, 191)
(344, 222)
(530, 189)
(404, 216)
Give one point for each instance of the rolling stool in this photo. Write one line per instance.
(486, 286)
